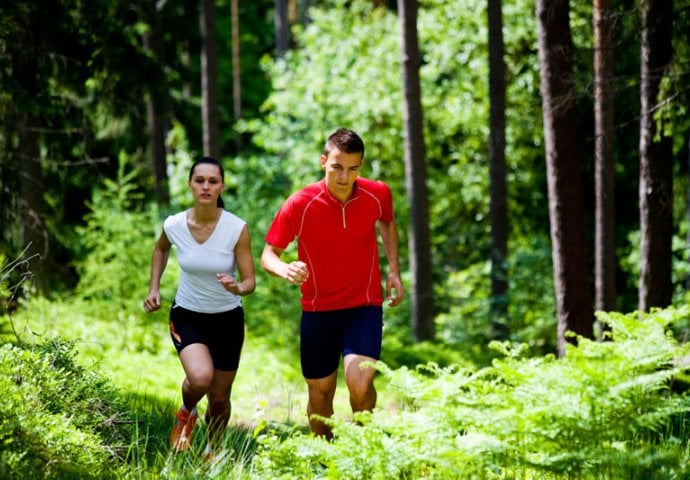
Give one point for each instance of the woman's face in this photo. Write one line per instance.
(206, 183)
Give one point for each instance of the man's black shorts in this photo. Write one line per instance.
(325, 336)
(222, 333)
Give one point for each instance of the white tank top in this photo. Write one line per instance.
(199, 289)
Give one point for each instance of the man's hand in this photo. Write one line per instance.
(395, 292)
(297, 272)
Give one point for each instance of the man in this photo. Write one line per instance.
(334, 221)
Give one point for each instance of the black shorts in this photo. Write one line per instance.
(325, 336)
(222, 333)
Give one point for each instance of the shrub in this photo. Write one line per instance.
(57, 420)
(606, 410)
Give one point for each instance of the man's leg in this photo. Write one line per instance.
(219, 405)
(360, 382)
(321, 393)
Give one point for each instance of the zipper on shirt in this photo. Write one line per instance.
(342, 208)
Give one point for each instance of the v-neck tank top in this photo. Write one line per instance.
(199, 289)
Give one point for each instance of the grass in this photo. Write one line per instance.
(134, 351)
(609, 410)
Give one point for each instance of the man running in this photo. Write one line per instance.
(334, 221)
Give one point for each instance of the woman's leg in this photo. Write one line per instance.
(198, 367)
(219, 405)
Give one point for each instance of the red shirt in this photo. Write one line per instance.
(337, 241)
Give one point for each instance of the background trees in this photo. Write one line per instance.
(656, 160)
(566, 208)
(422, 305)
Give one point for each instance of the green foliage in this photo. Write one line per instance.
(531, 308)
(606, 410)
(118, 238)
(346, 71)
(58, 420)
(610, 410)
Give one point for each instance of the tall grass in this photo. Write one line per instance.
(100, 406)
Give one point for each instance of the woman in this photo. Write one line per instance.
(206, 317)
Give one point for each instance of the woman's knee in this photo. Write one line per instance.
(200, 380)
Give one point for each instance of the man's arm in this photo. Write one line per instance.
(293, 272)
(389, 237)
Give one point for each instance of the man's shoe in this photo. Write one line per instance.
(181, 435)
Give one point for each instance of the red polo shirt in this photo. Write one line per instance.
(337, 241)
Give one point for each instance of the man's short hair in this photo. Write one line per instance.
(344, 140)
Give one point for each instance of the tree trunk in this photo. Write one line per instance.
(304, 12)
(25, 57)
(209, 80)
(415, 177)
(656, 165)
(497, 173)
(604, 162)
(236, 68)
(236, 71)
(687, 213)
(566, 209)
(282, 23)
(157, 107)
(34, 233)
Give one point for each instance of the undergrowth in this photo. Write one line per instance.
(616, 409)
(610, 410)
(58, 420)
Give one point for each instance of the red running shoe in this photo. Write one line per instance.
(181, 435)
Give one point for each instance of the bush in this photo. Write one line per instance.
(57, 420)
(605, 410)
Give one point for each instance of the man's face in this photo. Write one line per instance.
(341, 171)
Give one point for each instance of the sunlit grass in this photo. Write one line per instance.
(604, 409)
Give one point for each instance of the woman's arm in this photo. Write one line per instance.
(159, 260)
(245, 264)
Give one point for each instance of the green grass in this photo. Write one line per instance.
(612, 410)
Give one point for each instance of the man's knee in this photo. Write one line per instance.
(322, 391)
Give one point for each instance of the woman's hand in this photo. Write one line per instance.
(229, 283)
(152, 302)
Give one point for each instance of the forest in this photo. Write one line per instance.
(538, 152)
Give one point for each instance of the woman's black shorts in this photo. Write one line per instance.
(222, 333)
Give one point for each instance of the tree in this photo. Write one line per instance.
(282, 23)
(415, 176)
(497, 172)
(656, 165)
(304, 12)
(209, 80)
(157, 103)
(604, 172)
(236, 67)
(566, 210)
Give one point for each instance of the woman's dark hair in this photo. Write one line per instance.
(211, 161)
